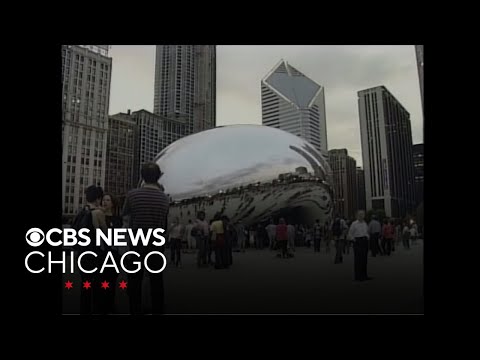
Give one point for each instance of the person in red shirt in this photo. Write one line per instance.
(387, 237)
(282, 236)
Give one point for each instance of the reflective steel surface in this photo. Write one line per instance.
(248, 172)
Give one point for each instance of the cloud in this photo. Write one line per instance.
(342, 70)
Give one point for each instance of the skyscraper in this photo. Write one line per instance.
(294, 103)
(121, 140)
(361, 198)
(419, 53)
(386, 136)
(86, 74)
(418, 164)
(155, 133)
(185, 85)
(344, 172)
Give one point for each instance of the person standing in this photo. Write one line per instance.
(191, 246)
(282, 237)
(91, 217)
(251, 239)
(230, 239)
(387, 237)
(271, 230)
(359, 234)
(175, 236)
(317, 235)
(413, 233)
(147, 208)
(201, 232)
(337, 231)
(240, 228)
(374, 229)
(259, 237)
(291, 236)
(406, 236)
(218, 241)
(113, 221)
(398, 233)
(344, 226)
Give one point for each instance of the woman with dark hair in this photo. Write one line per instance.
(218, 241)
(111, 210)
(106, 297)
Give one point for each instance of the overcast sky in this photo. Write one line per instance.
(342, 70)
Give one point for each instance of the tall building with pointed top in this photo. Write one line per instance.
(294, 103)
(185, 85)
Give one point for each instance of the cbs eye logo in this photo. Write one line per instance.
(35, 237)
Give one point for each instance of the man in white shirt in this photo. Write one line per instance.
(271, 231)
(359, 234)
(188, 234)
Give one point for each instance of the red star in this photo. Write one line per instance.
(123, 285)
(87, 284)
(68, 285)
(105, 285)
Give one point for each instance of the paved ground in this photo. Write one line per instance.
(258, 282)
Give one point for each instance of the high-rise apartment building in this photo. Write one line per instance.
(154, 133)
(418, 163)
(86, 75)
(185, 85)
(121, 140)
(386, 137)
(361, 196)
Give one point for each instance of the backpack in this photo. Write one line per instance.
(336, 228)
(84, 220)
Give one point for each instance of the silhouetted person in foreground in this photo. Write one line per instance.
(147, 208)
(113, 221)
(91, 217)
(359, 234)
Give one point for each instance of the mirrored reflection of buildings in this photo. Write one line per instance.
(361, 196)
(253, 183)
(292, 102)
(86, 75)
(418, 163)
(344, 173)
(298, 196)
(386, 137)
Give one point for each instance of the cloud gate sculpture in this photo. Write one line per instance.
(250, 173)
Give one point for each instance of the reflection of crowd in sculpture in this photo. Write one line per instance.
(267, 187)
